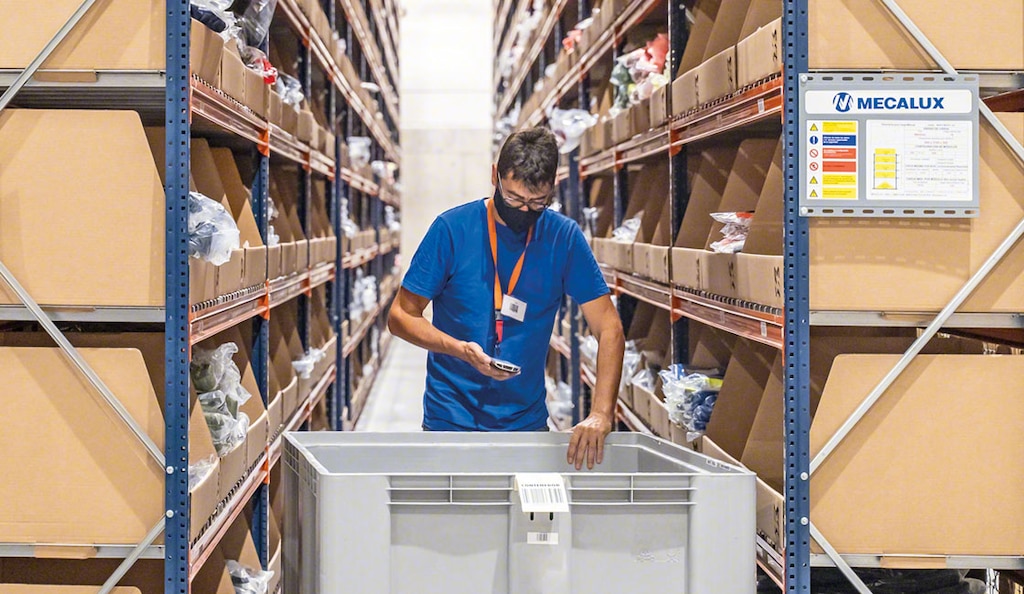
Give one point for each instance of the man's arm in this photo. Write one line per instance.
(406, 321)
(587, 441)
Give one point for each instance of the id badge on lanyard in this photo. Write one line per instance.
(505, 305)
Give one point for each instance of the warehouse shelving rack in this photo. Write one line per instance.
(771, 103)
(186, 104)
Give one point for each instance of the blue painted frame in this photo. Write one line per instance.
(797, 330)
(176, 346)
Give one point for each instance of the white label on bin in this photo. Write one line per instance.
(542, 538)
(542, 492)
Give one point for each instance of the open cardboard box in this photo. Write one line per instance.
(285, 347)
(741, 194)
(205, 50)
(208, 181)
(716, 77)
(232, 72)
(323, 244)
(919, 264)
(710, 170)
(75, 474)
(649, 329)
(620, 254)
(759, 54)
(237, 545)
(650, 250)
(872, 39)
(105, 247)
(759, 277)
(926, 512)
(294, 258)
(240, 200)
(78, 576)
(602, 197)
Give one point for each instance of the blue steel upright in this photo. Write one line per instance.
(176, 346)
(797, 331)
(575, 212)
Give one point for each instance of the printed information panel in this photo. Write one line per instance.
(889, 145)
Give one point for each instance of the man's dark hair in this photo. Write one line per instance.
(531, 157)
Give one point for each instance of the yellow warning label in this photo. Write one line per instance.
(881, 151)
(814, 193)
(814, 127)
(814, 181)
(840, 180)
(840, 127)
(840, 193)
(885, 167)
(885, 175)
(884, 186)
(885, 159)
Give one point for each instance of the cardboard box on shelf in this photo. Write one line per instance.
(289, 118)
(52, 589)
(745, 379)
(759, 277)
(307, 126)
(257, 93)
(125, 35)
(659, 106)
(727, 28)
(232, 72)
(659, 421)
(760, 14)
(873, 39)
(202, 281)
(716, 77)
(208, 181)
(205, 51)
(710, 168)
(759, 55)
(640, 117)
(931, 258)
(106, 246)
(275, 110)
(118, 488)
(621, 131)
(684, 92)
(704, 13)
(205, 495)
(650, 250)
(240, 205)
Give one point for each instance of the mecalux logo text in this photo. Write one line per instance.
(843, 102)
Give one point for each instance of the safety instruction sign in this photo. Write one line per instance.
(889, 146)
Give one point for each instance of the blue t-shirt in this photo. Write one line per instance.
(453, 268)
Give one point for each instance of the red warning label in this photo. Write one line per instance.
(839, 166)
(840, 153)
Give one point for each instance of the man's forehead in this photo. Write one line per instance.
(517, 186)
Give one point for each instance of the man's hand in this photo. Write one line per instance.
(474, 355)
(588, 440)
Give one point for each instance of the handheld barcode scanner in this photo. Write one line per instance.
(505, 366)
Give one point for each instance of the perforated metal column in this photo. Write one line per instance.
(797, 331)
(176, 413)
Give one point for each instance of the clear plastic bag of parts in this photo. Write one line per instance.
(734, 233)
(199, 470)
(304, 366)
(690, 396)
(569, 126)
(212, 231)
(221, 395)
(359, 150)
(627, 231)
(290, 90)
(247, 580)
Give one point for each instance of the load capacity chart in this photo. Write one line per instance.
(889, 145)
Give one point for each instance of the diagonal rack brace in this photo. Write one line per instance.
(943, 316)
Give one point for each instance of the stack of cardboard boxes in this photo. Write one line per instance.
(732, 44)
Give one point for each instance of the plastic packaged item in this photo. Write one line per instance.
(290, 90)
(247, 580)
(690, 397)
(215, 14)
(644, 379)
(626, 233)
(255, 20)
(199, 471)
(208, 368)
(590, 216)
(569, 126)
(304, 366)
(359, 150)
(226, 431)
(735, 231)
(630, 362)
(212, 231)
(371, 87)
(391, 219)
(560, 406)
(258, 61)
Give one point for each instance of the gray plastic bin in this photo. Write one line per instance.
(438, 513)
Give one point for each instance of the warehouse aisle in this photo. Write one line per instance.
(396, 401)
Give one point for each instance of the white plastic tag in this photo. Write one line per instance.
(542, 538)
(513, 308)
(542, 493)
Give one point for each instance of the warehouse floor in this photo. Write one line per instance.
(396, 401)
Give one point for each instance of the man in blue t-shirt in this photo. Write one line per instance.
(496, 271)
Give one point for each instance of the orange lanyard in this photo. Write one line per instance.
(498, 293)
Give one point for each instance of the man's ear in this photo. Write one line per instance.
(494, 175)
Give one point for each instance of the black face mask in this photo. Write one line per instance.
(517, 220)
